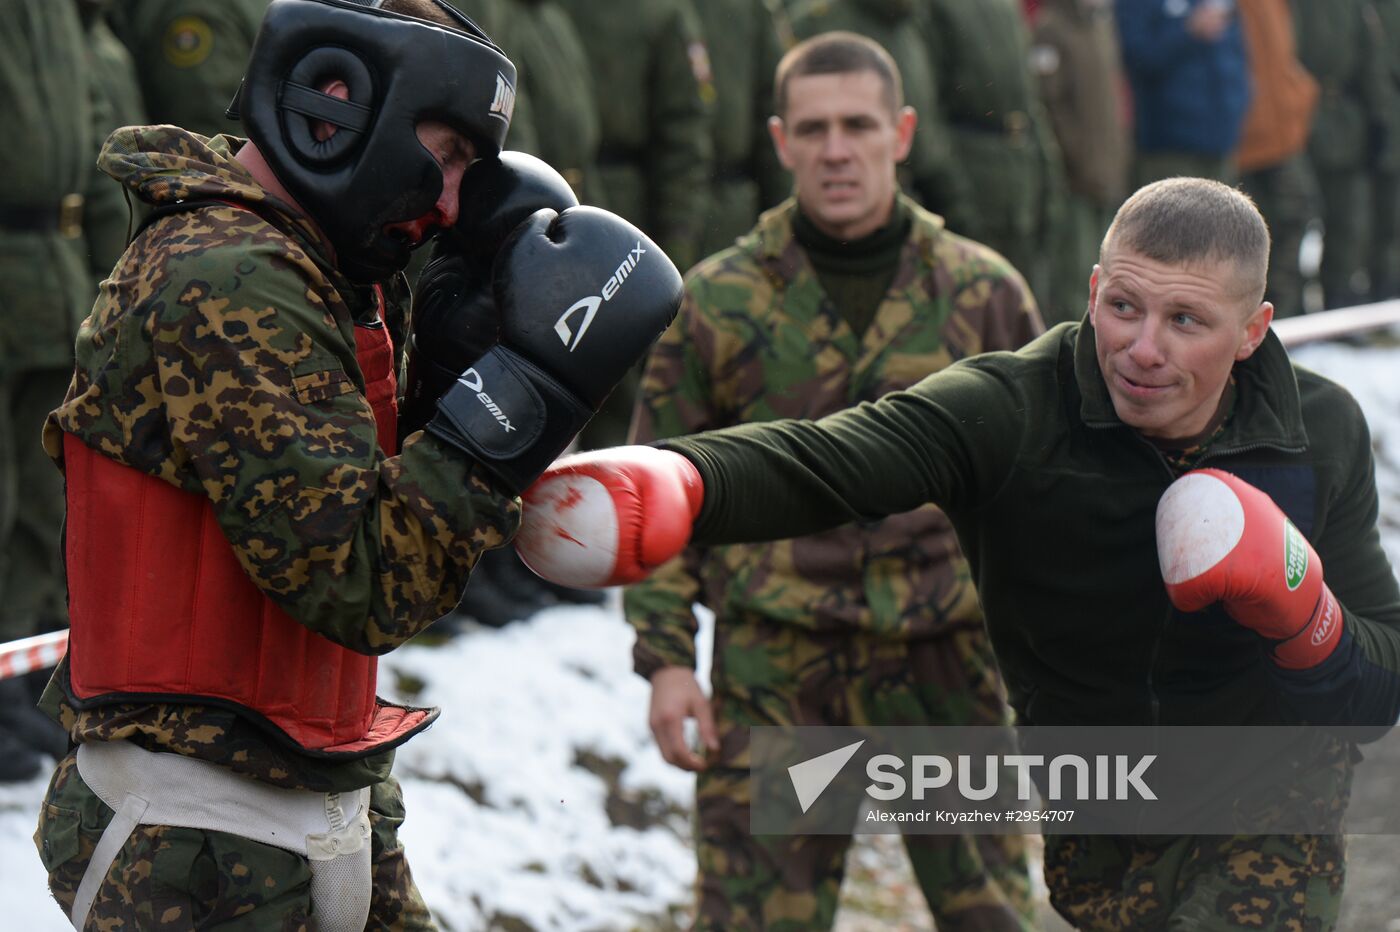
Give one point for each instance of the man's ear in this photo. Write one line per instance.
(1255, 330)
(778, 132)
(338, 89)
(905, 122)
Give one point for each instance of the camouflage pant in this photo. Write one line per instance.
(182, 878)
(1218, 882)
(780, 675)
(1197, 883)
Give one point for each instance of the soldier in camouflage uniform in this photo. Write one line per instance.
(44, 291)
(744, 39)
(1340, 45)
(834, 298)
(240, 528)
(189, 55)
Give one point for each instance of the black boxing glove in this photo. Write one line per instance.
(454, 314)
(582, 297)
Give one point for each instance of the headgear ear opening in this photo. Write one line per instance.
(304, 104)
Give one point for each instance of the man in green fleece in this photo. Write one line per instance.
(1050, 463)
(840, 295)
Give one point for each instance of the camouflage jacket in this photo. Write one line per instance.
(220, 357)
(757, 340)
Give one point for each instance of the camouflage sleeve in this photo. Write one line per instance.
(680, 158)
(262, 417)
(674, 399)
(993, 299)
(361, 549)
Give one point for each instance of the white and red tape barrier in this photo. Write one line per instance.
(33, 653)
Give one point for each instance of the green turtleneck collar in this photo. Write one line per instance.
(855, 274)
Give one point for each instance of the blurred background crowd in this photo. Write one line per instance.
(1036, 119)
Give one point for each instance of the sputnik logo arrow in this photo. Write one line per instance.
(811, 777)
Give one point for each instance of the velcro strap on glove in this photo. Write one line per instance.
(510, 415)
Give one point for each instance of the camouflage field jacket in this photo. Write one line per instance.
(220, 357)
(757, 339)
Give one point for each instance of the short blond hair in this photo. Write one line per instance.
(1180, 221)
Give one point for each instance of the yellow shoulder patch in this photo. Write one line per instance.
(188, 41)
(700, 67)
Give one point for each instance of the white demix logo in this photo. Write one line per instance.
(589, 305)
(472, 380)
(503, 105)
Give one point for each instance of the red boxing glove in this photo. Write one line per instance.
(1219, 539)
(609, 517)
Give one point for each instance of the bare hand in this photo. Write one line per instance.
(675, 697)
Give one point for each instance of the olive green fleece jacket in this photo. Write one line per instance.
(1053, 499)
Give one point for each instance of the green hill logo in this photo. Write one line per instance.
(1295, 556)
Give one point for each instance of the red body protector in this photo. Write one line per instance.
(162, 611)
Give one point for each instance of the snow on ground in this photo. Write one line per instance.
(539, 794)
(1373, 376)
(538, 800)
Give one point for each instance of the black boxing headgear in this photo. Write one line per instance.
(400, 71)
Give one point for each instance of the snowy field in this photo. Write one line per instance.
(538, 801)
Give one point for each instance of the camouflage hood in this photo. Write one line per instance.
(163, 165)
